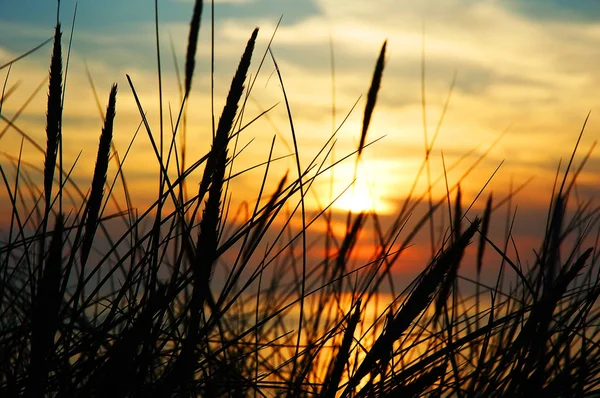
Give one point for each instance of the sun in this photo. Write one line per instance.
(357, 199)
(366, 193)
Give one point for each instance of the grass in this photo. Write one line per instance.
(148, 316)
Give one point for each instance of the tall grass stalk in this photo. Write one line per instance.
(53, 118)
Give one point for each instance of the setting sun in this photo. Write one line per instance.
(363, 195)
(358, 198)
(375, 187)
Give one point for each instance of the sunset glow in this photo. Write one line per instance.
(332, 198)
(523, 69)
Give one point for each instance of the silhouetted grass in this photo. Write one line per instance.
(93, 304)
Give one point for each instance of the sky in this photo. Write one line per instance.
(525, 71)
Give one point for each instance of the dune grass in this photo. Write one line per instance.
(147, 316)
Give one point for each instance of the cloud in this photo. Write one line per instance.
(512, 69)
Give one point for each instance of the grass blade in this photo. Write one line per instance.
(53, 116)
(190, 57)
(44, 317)
(182, 372)
(343, 355)
(372, 97)
(414, 305)
(97, 192)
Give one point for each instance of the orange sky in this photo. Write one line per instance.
(528, 74)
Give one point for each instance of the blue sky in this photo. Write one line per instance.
(580, 11)
(120, 15)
